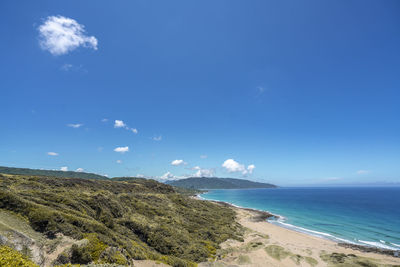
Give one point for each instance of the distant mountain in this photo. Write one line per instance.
(218, 183)
(51, 173)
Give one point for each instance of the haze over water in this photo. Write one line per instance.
(366, 216)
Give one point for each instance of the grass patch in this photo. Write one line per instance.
(277, 252)
(343, 260)
(311, 261)
(253, 246)
(244, 259)
(296, 258)
(280, 253)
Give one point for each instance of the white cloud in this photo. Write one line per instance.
(60, 35)
(122, 124)
(203, 172)
(157, 138)
(52, 153)
(178, 162)
(119, 161)
(363, 172)
(233, 166)
(251, 168)
(72, 125)
(167, 176)
(119, 124)
(79, 170)
(64, 169)
(104, 120)
(122, 149)
(203, 156)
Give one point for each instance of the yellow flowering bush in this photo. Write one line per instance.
(11, 257)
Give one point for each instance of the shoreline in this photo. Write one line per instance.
(263, 216)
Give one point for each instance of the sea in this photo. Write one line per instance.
(358, 215)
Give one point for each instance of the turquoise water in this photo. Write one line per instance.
(366, 216)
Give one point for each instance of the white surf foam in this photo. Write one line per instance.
(305, 230)
(377, 244)
(311, 232)
(200, 197)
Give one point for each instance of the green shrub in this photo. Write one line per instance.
(95, 247)
(80, 255)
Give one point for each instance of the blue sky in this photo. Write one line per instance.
(290, 92)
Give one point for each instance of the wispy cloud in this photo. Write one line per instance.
(332, 178)
(52, 153)
(157, 138)
(122, 124)
(233, 166)
(260, 90)
(119, 161)
(122, 149)
(360, 172)
(60, 35)
(69, 67)
(104, 120)
(66, 67)
(203, 156)
(64, 169)
(76, 125)
(79, 170)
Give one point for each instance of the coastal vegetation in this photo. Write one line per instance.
(343, 260)
(11, 257)
(218, 183)
(51, 173)
(115, 221)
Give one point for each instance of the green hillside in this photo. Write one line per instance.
(108, 221)
(218, 183)
(51, 173)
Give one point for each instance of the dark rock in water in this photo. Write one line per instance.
(394, 253)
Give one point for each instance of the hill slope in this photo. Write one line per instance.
(218, 183)
(52, 173)
(114, 221)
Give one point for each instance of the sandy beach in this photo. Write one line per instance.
(266, 244)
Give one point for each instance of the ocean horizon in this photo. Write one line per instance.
(366, 216)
